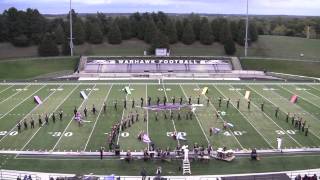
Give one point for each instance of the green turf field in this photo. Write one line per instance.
(252, 128)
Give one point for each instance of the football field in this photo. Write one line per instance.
(249, 128)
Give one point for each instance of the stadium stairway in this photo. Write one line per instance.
(186, 167)
(236, 63)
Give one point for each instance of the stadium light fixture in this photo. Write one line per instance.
(247, 27)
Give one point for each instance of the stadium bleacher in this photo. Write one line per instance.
(157, 66)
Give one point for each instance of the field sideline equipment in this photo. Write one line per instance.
(294, 99)
(205, 90)
(83, 95)
(37, 100)
(247, 96)
(127, 90)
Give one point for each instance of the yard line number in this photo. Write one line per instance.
(58, 134)
(12, 133)
(283, 132)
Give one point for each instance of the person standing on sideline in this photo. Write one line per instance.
(104, 107)
(143, 173)
(101, 152)
(85, 112)
(60, 115)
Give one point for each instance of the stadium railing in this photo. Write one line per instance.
(13, 175)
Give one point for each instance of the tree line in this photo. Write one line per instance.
(159, 30)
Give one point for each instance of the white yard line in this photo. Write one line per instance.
(277, 106)
(147, 114)
(6, 88)
(303, 97)
(12, 95)
(21, 102)
(50, 115)
(195, 114)
(269, 116)
(299, 108)
(95, 123)
(174, 125)
(120, 129)
(223, 120)
(64, 131)
(312, 86)
(25, 115)
(266, 140)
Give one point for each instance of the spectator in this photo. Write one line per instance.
(143, 173)
(314, 177)
(254, 154)
(298, 177)
(18, 178)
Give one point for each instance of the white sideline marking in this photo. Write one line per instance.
(246, 119)
(223, 120)
(122, 119)
(25, 115)
(64, 131)
(270, 117)
(97, 119)
(205, 135)
(50, 115)
(174, 125)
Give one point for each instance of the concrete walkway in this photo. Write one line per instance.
(236, 63)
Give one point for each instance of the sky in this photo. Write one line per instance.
(263, 7)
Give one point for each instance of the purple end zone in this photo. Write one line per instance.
(37, 100)
(168, 106)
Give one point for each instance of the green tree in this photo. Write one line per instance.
(114, 35)
(234, 29)
(125, 27)
(3, 29)
(280, 30)
(160, 40)
(150, 31)
(241, 32)
(229, 46)
(225, 32)
(48, 46)
(206, 36)
(78, 32)
(96, 36)
(59, 34)
(35, 25)
(188, 36)
(171, 32)
(216, 26)
(16, 25)
(179, 27)
(65, 49)
(196, 24)
(253, 32)
(135, 19)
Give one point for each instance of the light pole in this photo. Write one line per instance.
(247, 28)
(71, 38)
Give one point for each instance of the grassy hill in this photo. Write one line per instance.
(30, 68)
(304, 68)
(267, 46)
